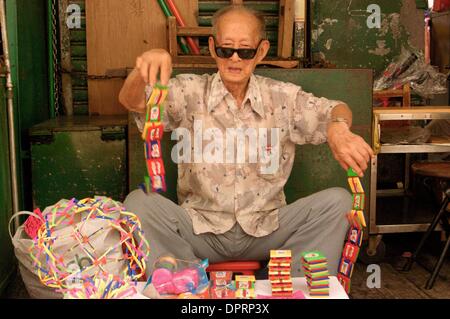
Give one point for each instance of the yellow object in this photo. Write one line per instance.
(361, 218)
(355, 185)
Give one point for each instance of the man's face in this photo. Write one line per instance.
(238, 30)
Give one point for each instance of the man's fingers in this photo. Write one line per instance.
(154, 63)
(362, 151)
(360, 160)
(369, 150)
(166, 70)
(343, 165)
(143, 70)
(153, 74)
(368, 153)
(353, 152)
(353, 164)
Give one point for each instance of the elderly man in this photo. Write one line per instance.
(235, 209)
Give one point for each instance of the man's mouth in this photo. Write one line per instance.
(234, 70)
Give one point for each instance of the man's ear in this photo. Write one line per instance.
(262, 50)
(211, 47)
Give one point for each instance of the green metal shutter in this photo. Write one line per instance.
(79, 64)
(73, 60)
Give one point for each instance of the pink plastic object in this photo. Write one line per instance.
(162, 281)
(185, 280)
(32, 224)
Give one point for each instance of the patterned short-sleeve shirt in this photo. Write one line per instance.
(233, 162)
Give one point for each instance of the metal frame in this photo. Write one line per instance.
(390, 114)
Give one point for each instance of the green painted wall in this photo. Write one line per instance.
(96, 149)
(340, 34)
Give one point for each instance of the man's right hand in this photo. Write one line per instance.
(152, 63)
(148, 66)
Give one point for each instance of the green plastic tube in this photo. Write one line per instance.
(167, 13)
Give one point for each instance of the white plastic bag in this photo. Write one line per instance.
(101, 237)
(22, 243)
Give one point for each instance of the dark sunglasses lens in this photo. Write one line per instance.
(224, 52)
(246, 54)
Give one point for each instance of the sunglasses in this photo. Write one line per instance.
(244, 53)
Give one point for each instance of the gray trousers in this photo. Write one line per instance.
(315, 222)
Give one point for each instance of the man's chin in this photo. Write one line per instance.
(234, 78)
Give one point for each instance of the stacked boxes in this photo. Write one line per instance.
(245, 287)
(315, 267)
(355, 234)
(280, 273)
(221, 285)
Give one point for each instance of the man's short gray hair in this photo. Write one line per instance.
(239, 8)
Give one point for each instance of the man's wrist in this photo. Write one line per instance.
(337, 128)
(338, 123)
(339, 119)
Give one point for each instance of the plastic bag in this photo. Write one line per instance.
(175, 278)
(439, 128)
(410, 67)
(69, 258)
(405, 135)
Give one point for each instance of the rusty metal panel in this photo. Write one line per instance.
(342, 37)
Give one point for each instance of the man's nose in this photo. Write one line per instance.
(235, 57)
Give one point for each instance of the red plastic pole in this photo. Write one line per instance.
(192, 45)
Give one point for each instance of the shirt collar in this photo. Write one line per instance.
(218, 91)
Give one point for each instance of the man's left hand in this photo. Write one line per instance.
(349, 149)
